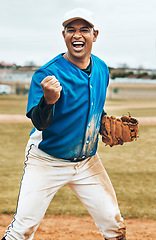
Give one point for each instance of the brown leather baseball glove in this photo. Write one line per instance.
(117, 131)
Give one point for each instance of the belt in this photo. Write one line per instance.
(77, 159)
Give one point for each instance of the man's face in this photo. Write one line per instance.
(79, 37)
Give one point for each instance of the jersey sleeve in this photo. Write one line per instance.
(36, 91)
(41, 115)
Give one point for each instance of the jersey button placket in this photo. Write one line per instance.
(86, 142)
(91, 94)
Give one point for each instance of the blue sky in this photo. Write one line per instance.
(30, 30)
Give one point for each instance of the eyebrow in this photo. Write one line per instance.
(70, 27)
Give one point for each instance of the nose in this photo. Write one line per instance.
(77, 34)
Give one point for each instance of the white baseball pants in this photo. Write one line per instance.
(44, 176)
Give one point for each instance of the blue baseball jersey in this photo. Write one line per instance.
(74, 129)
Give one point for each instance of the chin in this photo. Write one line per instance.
(80, 55)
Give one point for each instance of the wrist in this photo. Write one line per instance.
(44, 102)
(48, 101)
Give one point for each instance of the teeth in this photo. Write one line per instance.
(78, 43)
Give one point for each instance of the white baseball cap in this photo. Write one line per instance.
(78, 13)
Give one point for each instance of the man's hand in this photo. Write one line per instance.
(51, 88)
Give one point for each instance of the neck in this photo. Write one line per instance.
(78, 62)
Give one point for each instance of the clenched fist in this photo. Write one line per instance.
(51, 88)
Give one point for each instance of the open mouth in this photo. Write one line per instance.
(78, 45)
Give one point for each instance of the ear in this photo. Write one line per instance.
(95, 34)
(63, 33)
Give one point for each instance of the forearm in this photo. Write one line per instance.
(41, 115)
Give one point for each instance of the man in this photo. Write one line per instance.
(65, 104)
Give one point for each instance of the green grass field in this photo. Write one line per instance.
(131, 167)
(13, 104)
(137, 107)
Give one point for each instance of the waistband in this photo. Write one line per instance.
(77, 159)
(39, 152)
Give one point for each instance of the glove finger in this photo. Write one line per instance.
(126, 133)
(107, 140)
(107, 124)
(134, 134)
(118, 132)
(134, 130)
(133, 121)
(105, 130)
(125, 119)
(118, 128)
(113, 130)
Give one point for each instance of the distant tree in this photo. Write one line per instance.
(154, 76)
(30, 63)
(140, 67)
(110, 69)
(120, 74)
(142, 75)
(123, 65)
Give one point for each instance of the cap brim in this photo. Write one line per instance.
(65, 23)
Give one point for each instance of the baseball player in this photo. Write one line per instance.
(65, 103)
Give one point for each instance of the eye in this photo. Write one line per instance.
(70, 30)
(85, 30)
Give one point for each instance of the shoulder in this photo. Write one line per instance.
(49, 67)
(99, 63)
(52, 62)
